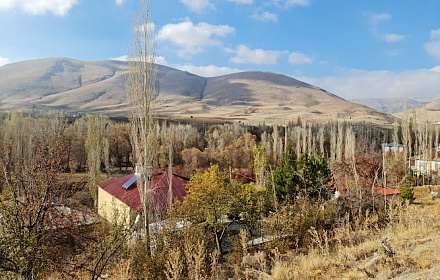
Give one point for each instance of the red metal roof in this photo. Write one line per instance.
(387, 191)
(339, 185)
(158, 190)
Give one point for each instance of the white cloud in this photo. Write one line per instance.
(265, 17)
(119, 2)
(297, 3)
(161, 60)
(158, 59)
(245, 55)
(242, 1)
(291, 3)
(378, 18)
(4, 61)
(355, 83)
(299, 58)
(374, 21)
(197, 6)
(392, 38)
(193, 38)
(433, 47)
(37, 7)
(395, 52)
(151, 27)
(120, 58)
(204, 71)
(435, 34)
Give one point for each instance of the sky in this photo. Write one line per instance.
(352, 48)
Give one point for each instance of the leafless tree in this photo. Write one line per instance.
(321, 139)
(339, 141)
(406, 134)
(170, 171)
(298, 140)
(333, 144)
(350, 143)
(95, 146)
(304, 138)
(396, 139)
(141, 91)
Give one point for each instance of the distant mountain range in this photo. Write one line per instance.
(98, 86)
(391, 105)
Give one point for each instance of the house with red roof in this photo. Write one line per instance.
(119, 198)
(339, 186)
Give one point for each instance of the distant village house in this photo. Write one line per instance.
(392, 148)
(119, 198)
(428, 164)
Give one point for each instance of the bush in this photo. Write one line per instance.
(407, 193)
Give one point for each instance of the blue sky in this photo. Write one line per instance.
(351, 48)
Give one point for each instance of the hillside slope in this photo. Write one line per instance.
(390, 105)
(98, 86)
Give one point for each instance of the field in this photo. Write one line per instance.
(413, 232)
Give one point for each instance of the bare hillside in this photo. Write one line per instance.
(98, 86)
(428, 112)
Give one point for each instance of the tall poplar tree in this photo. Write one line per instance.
(141, 91)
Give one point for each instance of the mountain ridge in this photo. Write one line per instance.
(392, 105)
(99, 86)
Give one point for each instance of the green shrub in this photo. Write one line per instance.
(407, 193)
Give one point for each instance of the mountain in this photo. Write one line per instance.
(430, 112)
(434, 105)
(98, 86)
(391, 105)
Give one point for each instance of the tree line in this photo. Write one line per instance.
(273, 181)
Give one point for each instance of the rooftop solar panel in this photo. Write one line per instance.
(130, 182)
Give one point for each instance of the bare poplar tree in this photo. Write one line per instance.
(430, 140)
(304, 139)
(141, 91)
(321, 139)
(259, 164)
(333, 146)
(298, 140)
(275, 139)
(339, 141)
(437, 130)
(406, 133)
(310, 141)
(94, 145)
(396, 138)
(2, 128)
(170, 170)
(415, 126)
(106, 154)
(350, 143)
(54, 123)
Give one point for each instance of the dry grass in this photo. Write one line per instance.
(414, 234)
